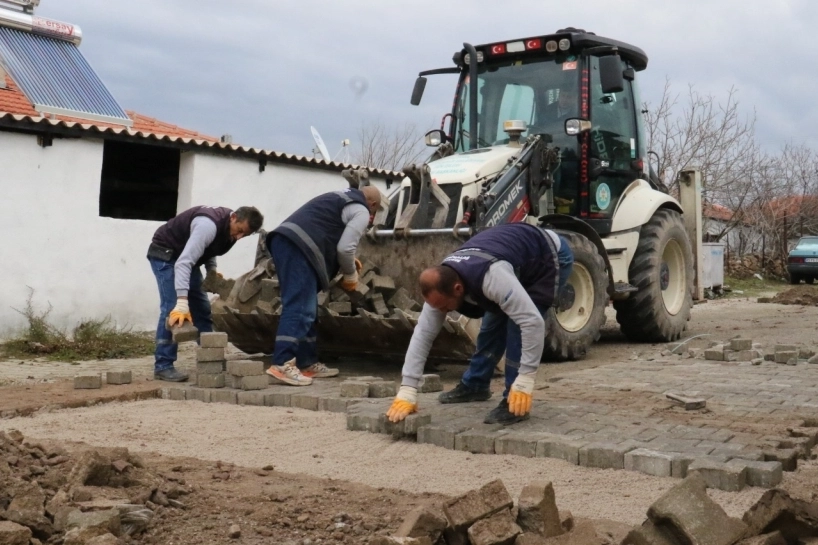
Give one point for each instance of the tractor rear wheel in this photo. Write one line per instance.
(574, 322)
(662, 269)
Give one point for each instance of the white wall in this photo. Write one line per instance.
(87, 266)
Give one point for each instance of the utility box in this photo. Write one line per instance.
(712, 264)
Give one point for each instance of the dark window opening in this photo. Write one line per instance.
(139, 182)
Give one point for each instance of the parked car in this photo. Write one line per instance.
(802, 262)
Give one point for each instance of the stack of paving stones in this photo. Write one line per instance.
(210, 360)
(744, 350)
(93, 381)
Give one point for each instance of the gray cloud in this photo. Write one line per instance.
(265, 71)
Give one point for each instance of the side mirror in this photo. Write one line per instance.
(435, 138)
(610, 74)
(417, 92)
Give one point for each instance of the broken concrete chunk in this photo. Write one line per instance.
(12, 533)
(498, 529)
(422, 522)
(538, 511)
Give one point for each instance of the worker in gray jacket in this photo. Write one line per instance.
(510, 276)
(178, 250)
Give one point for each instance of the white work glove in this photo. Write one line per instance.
(405, 403)
(180, 313)
(519, 397)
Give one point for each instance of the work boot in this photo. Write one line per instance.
(319, 370)
(289, 374)
(501, 415)
(170, 374)
(462, 394)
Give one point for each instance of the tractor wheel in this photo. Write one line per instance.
(662, 269)
(573, 324)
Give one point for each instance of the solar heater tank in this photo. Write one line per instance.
(38, 25)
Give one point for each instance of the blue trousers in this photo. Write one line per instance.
(296, 335)
(166, 349)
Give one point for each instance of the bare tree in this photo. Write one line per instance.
(388, 148)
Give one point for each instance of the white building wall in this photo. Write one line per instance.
(87, 266)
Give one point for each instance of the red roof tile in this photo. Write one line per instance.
(13, 101)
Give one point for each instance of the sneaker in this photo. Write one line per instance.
(501, 415)
(461, 394)
(319, 370)
(170, 375)
(289, 374)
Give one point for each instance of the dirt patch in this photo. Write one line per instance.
(799, 295)
(26, 400)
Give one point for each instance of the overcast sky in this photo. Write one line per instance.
(264, 71)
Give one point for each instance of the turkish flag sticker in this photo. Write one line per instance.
(498, 49)
(533, 44)
(569, 65)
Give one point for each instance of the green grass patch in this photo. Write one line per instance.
(91, 339)
(753, 287)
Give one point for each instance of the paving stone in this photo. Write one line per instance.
(747, 455)
(430, 383)
(422, 522)
(406, 427)
(305, 401)
(277, 399)
(813, 359)
(257, 382)
(650, 462)
(769, 357)
(741, 344)
(354, 388)
(649, 534)
(210, 380)
(787, 456)
(560, 448)
(209, 354)
(466, 509)
(519, 444)
(269, 289)
(714, 354)
(209, 367)
(479, 440)
(810, 433)
(604, 455)
(224, 396)
(442, 434)
(748, 355)
(785, 348)
(566, 520)
(368, 420)
(383, 389)
(250, 398)
(729, 476)
(786, 355)
(498, 529)
(693, 516)
(177, 393)
(342, 308)
(772, 538)
(335, 404)
(118, 377)
(404, 301)
(87, 382)
(245, 368)
(763, 474)
(379, 305)
(383, 284)
(199, 394)
(537, 510)
(232, 381)
(730, 355)
(213, 340)
(184, 333)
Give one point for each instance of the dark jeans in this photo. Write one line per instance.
(296, 335)
(566, 260)
(166, 349)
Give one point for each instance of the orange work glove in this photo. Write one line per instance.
(405, 403)
(180, 313)
(519, 397)
(349, 282)
(358, 265)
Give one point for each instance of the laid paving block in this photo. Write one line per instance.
(787, 456)
(277, 399)
(365, 420)
(442, 434)
(650, 462)
(383, 389)
(764, 474)
(693, 516)
(730, 476)
(209, 354)
(604, 455)
(177, 393)
(479, 440)
(213, 339)
(224, 396)
(422, 522)
(87, 382)
(199, 394)
(245, 368)
(118, 377)
(335, 404)
(518, 444)
(405, 428)
(354, 388)
(786, 355)
(209, 367)
(537, 510)
(257, 382)
(498, 529)
(215, 380)
(430, 383)
(561, 448)
(305, 401)
(714, 354)
(741, 344)
(250, 398)
(184, 333)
